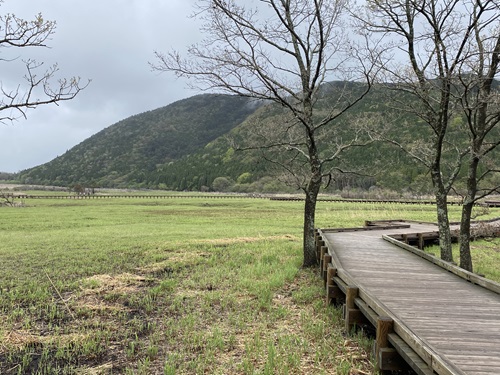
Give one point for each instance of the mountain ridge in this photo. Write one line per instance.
(190, 145)
(143, 141)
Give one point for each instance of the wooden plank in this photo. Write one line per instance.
(478, 361)
(466, 275)
(423, 350)
(327, 259)
(341, 284)
(371, 315)
(482, 343)
(366, 228)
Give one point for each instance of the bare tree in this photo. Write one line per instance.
(280, 51)
(38, 88)
(430, 46)
(6, 199)
(480, 101)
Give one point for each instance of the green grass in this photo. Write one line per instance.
(485, 257)
(172, 286)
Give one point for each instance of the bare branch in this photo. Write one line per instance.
(39, 88)
(17, 32)
(15, 103)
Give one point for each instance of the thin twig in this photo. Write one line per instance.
(59, 294)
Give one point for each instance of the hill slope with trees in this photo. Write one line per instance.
(193, 144)
(125, 153)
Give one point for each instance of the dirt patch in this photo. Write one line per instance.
(96, 296)
(21, 338)
(123, 283)
(97, 291)
(99, 370)
(18, 339)
(175, 261)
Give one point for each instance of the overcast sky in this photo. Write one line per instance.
(109, 42)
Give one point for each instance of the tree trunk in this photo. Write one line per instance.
(443, 223)
(465, 257)
(465, 222)
(312, 192)
(441, 194)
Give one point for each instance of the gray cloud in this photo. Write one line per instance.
(109, 42)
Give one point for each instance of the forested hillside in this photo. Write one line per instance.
(131, 150)
(194, 144)
(230, 163)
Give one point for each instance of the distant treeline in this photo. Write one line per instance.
(6, 176)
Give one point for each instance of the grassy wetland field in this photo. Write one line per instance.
(177, 286)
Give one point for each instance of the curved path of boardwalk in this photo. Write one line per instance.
(438, 322)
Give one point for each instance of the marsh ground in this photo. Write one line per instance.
(174, 286)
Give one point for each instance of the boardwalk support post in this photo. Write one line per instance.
(327, 258)
(352, 315)
(387, 359)
(421, 241)
(319, 244)
(322, 251)
(332, 290)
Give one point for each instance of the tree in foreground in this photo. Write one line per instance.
(281, 51)
(38, 88)
(479, 98)
(440, 58)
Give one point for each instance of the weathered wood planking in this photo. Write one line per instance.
(458, 320)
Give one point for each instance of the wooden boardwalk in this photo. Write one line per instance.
(438, 322)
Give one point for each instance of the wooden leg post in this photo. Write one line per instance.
(322, 251)
(332, 290)
(384, 327)
(327, 258)
(318, 237)
(421, 241)
(405, 238)
(387, 359)
(319, 244)
(351, 313)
